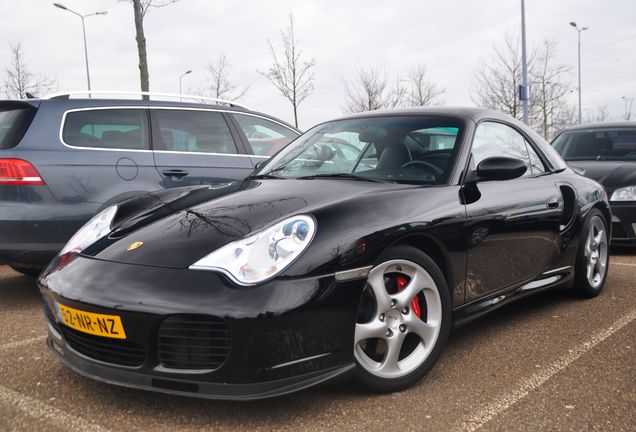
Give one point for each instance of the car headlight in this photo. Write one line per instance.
(99, 226)
(263, 255)
(624, 194)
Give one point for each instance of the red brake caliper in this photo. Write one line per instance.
(415, 304)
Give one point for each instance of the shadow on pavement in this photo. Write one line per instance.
(17, 290)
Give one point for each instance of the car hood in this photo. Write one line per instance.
(611, 174)
(181, 235)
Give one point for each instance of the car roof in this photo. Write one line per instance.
(66, 102)
(467, 113)
(603, 125)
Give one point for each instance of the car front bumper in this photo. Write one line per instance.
(284, 335)
(623, 223)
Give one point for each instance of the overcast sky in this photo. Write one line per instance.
(449, 36)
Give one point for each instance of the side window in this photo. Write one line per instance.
(496, 139)
(107, 128)
(265, 137)
(193, 131)
(535, 161)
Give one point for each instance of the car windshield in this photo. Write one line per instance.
(597, 144)
(405, 149)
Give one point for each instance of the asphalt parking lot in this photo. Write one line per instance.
(546, 363)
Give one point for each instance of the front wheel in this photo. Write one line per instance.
(592, 258)
(403, 321)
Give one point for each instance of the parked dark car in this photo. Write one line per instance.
(62, 160)
(327, 261)
(606, 152)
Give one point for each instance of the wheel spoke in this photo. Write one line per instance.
(392, 355)
(598, 238)
(426, 331)
(376, 282)
(414, 286)
(590, 269)
(370, 330)
(587, 251)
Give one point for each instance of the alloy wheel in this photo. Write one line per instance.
(596, 252)
(403, 322)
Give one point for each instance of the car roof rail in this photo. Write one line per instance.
(148, 95)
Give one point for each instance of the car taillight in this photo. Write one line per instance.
(19, 172)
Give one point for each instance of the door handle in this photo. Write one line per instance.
(174, 174)
(553, 202)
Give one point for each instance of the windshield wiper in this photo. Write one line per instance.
(340, 175)
(264, 176)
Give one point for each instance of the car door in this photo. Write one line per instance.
(195, 147)
(107, 155)
(512, 225)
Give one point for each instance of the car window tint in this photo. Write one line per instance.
(13, 124)
(265, 137)
(193, 131)
(597, 144)
(496, 139)
(107, 128)
(536, 165)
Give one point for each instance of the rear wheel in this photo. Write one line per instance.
(403, 321)
(31, 272)
(592, 256)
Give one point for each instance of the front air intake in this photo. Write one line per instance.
(195, 342)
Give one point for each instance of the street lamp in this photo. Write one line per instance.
(61, 6)
(180, 78)
(524, 88)
(579, 30)
(628, 113)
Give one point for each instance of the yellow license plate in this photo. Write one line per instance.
(109, 326)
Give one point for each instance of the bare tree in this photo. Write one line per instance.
(421, 91)
(140, 8)
(218, 83)
(19, 80)
(290, 73)
(600, 114)
(551, 107)
(370, 90)
(497, 78)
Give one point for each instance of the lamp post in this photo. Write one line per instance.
(61, 6)
(579, 30)
(181, 78)
(524, 88)
(628, 113)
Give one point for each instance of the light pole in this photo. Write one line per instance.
(579, 30)
(524, 88)
(61, 6)
(180, 78)
(628, 113)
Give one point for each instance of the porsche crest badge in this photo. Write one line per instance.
(135, 245)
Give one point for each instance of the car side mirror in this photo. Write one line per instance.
(500, 168)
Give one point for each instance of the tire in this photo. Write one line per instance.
(405, 309)
(592, 256)
(30, 272)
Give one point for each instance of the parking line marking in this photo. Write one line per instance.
(42, 411)
(623, 264)
(17, 344)
(503, 402)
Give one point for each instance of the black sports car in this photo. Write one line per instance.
(355, 250)
(606, 152)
